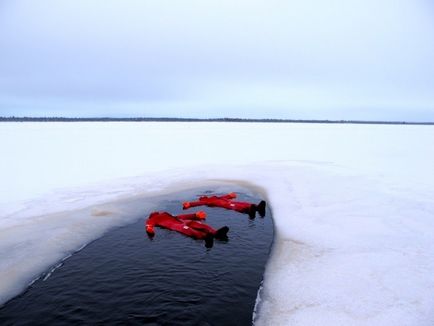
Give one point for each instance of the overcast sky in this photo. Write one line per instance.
(305, 59)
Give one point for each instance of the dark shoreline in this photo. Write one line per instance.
(142, 119)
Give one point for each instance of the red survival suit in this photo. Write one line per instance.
(187, 224)
(226, 201)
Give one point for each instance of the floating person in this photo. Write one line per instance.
(226, 201)
(187, 224)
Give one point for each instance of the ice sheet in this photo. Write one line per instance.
(352, 204)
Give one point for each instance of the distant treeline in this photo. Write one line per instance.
(106, 119)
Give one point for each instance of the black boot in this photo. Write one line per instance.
(252, 211)
(209, 240)
(261, 208)
(221, 233)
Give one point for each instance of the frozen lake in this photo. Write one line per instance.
(352, 205)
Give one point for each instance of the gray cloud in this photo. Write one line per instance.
(214, 58)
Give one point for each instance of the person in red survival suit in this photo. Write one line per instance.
(226, 201)
(187, 224)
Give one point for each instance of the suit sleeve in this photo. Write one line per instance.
(229, 196)
(189, 204)
(194, 216)
(150, 223)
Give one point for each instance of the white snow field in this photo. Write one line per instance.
(353, 205)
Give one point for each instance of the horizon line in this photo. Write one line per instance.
(171, 119)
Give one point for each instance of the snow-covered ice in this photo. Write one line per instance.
(353, 205)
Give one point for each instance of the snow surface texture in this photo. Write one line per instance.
(353, 205)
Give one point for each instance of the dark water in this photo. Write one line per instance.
(126, 278)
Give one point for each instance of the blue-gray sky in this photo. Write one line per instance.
(305, 59)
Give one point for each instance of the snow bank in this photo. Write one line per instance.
(352, 204)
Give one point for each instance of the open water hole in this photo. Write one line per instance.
(124, 278)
